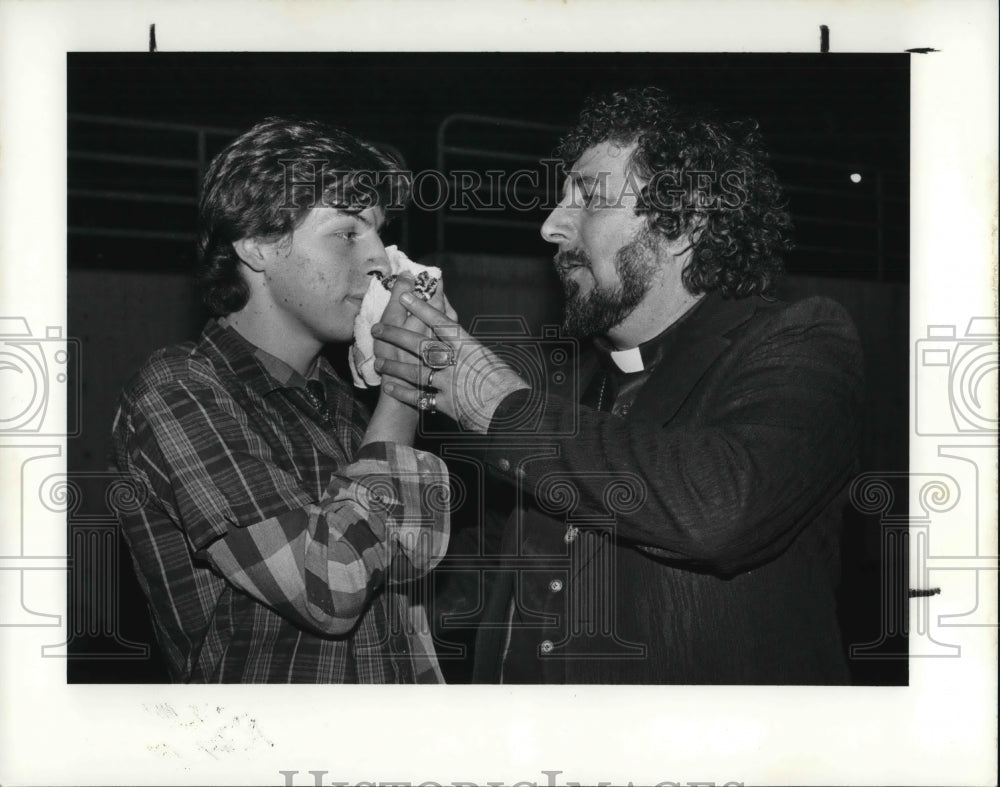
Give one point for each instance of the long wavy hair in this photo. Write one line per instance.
(705, 178)
(264, 183)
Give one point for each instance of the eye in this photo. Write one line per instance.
(586, 192)
(348, 235)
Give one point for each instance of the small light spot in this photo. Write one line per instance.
(855, 177)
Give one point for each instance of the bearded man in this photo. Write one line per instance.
(680, 523)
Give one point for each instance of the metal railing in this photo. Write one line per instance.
(128, 155)
(192, 144)
(447, 150)
(137, 180)
(856, 209)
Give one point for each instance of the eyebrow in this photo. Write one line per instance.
(363, 219)
(583, 179)
(367, 222)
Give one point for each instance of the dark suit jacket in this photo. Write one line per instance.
(696, 539)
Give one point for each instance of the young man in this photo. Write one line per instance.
(276, 524)
(684, 528)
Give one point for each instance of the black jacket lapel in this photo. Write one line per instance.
(698, 343)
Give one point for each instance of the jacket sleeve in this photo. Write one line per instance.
(771, 438)
(383, 518)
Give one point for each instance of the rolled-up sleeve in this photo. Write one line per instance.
(383, 518)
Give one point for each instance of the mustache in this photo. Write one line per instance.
(570, 259)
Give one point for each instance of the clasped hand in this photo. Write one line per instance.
(467, 390)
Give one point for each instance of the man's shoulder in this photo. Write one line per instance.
(815, 311)
(177, 366)
(817, 327)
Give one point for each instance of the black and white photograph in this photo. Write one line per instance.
(571, 385)
(712, 543)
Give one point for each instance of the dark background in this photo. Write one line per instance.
(142, 126)
(845, 113)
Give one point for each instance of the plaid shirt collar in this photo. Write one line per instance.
(262, 371)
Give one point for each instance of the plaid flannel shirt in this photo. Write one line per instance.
(272, 547)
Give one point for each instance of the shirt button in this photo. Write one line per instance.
(555, 585)
(504, 466)
(547, 646)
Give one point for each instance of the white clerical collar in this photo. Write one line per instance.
(628, 361)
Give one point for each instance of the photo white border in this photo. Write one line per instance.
(939, 730)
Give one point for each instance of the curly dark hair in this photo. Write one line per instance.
(264, 183)
(702, 176)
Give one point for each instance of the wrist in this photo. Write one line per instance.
(392, 422)
(391, 406)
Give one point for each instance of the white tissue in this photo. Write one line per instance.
(362, 352)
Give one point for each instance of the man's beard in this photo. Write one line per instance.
(601, 309)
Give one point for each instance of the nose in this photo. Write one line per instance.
(377, 259)
(560, 225)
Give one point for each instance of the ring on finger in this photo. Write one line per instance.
(427, 403)
(430, 378)
(437, 355)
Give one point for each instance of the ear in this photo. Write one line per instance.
(696, 226)
(685, 242)
(252, 253)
